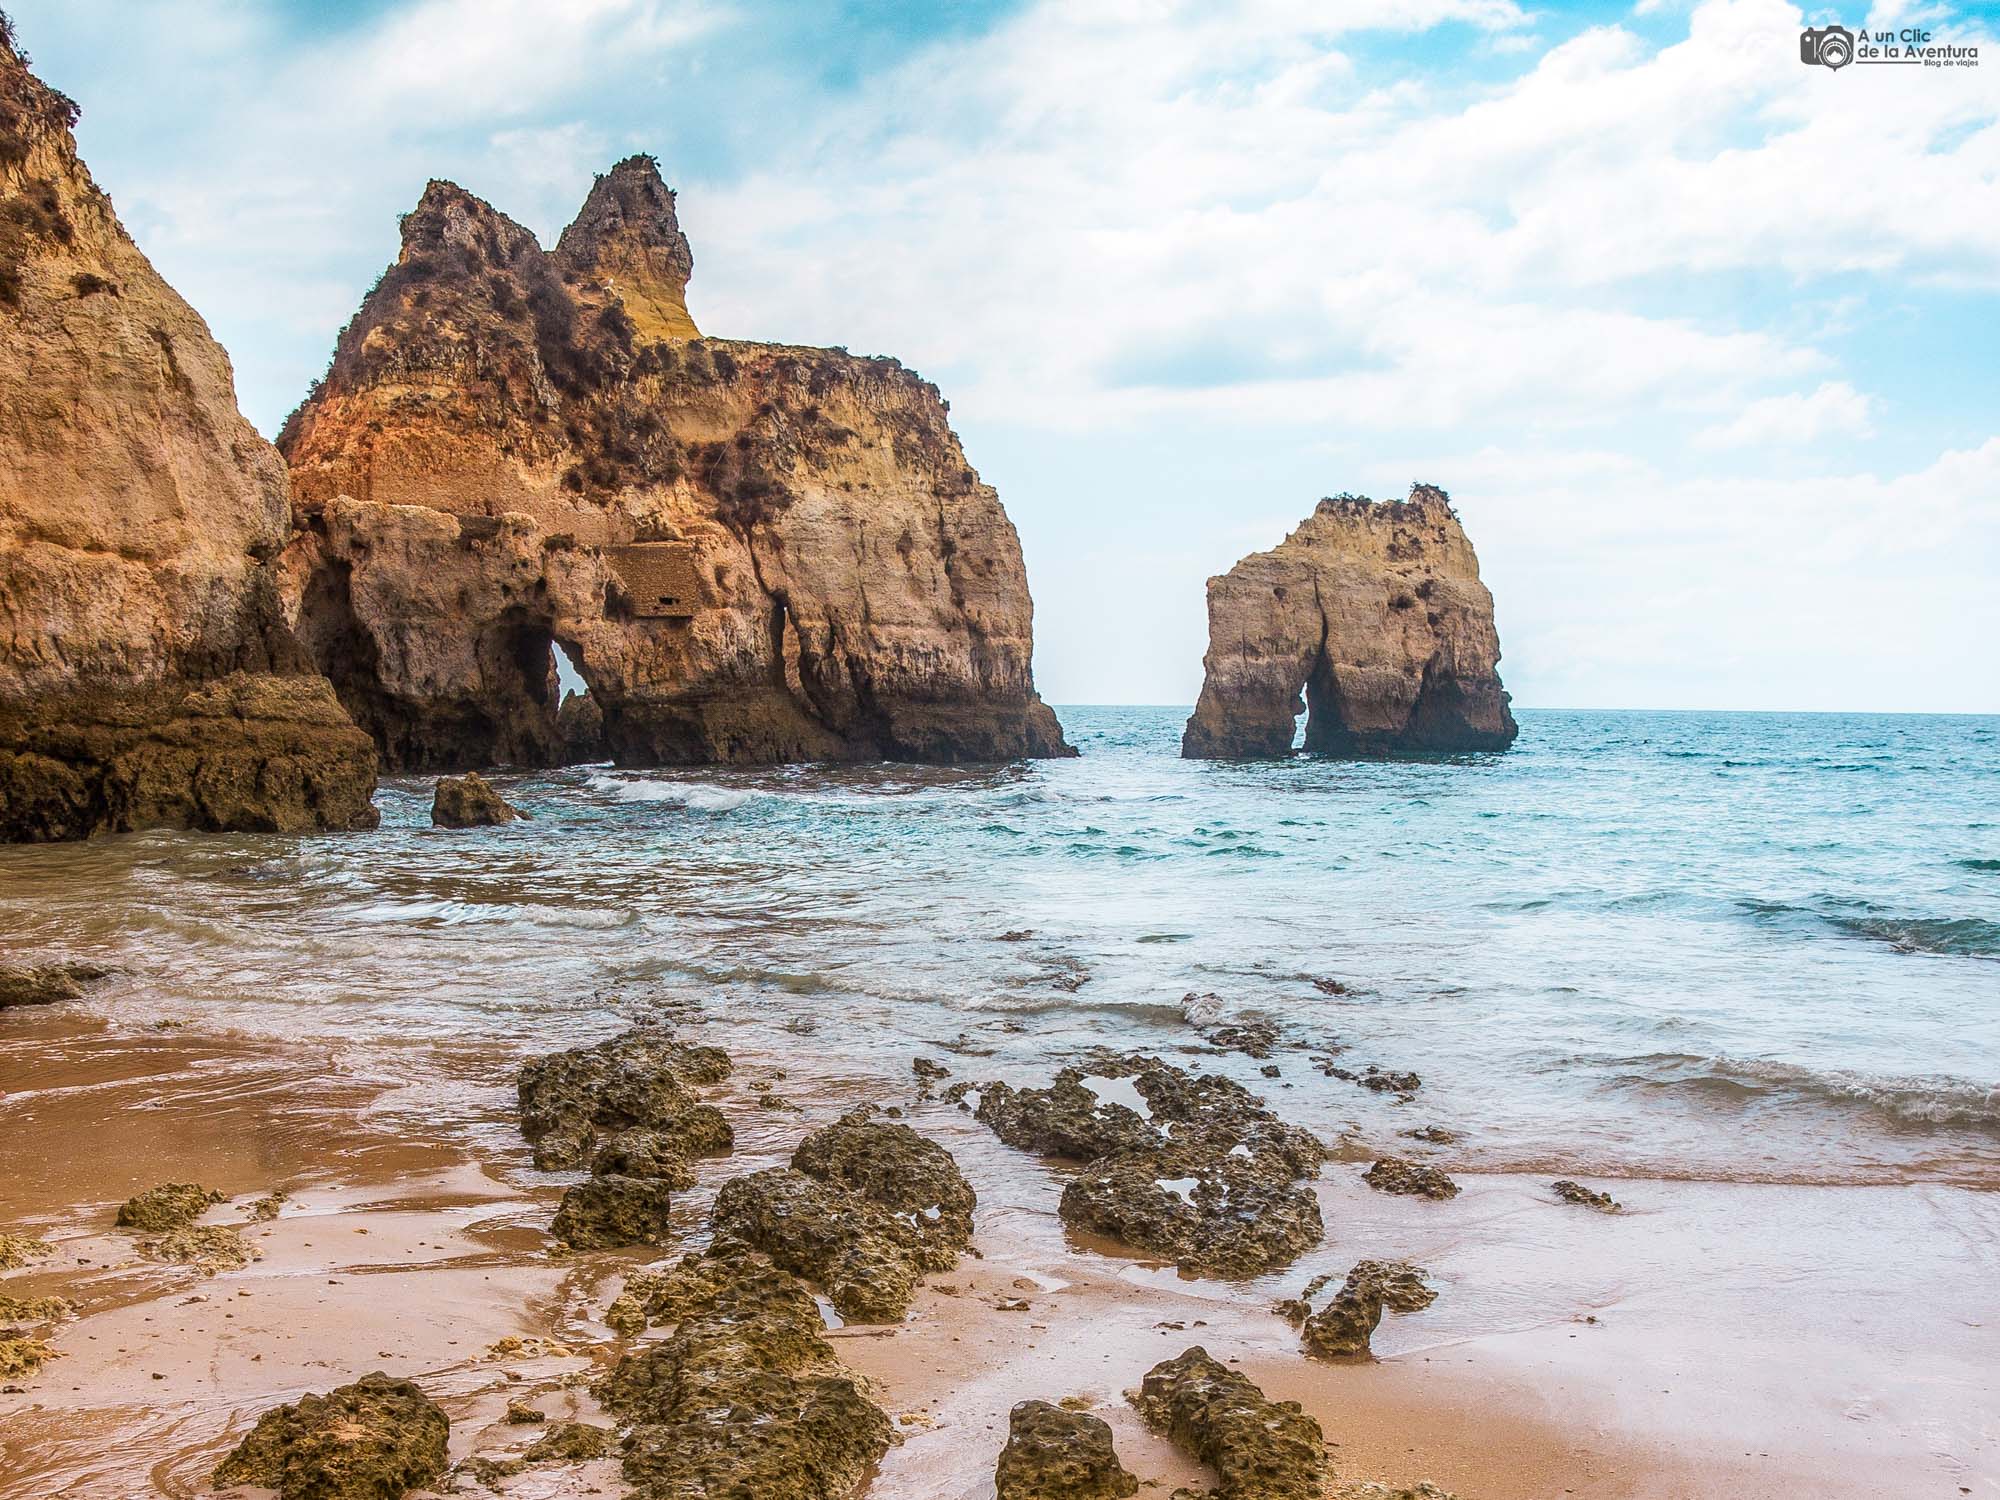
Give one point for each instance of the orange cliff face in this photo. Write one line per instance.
(754, 552)
(146, 674)
(1376, 613)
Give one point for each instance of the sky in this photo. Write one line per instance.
(1702, 340)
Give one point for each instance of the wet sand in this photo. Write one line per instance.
(1714, 1340)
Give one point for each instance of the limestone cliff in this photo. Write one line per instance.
(753, 552)
(1376, 611)
(146, 674)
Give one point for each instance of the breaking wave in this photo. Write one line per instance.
(1929, 1100)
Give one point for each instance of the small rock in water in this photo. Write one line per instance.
(46, 984)
(1331, 987)
(376, 1439)
(520, 1414)
(207, 1247)
(1057, 1454)
(1432, 1135)
(168, 1206)
(1583, 1197)
(469, 801)
(1398, 1174)
(1342, 1328)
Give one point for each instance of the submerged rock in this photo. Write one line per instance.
(572, 1100)
(168, 1206)
(607, 1213)
(1583, 1197)
(45, 984)
(1398, 1174)
(1376, 613)
(1054, 1454)
(376, 1439)
(745, 1398)
(1259, 1449)
(469, 801)
(1195, 1168)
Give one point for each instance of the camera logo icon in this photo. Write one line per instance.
(1828, 46)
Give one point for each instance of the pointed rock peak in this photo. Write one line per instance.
(628, 239)
(448, 218)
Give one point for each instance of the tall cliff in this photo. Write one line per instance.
(753, 552)
(146, 674)
(1377, 613)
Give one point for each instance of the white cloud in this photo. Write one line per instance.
(1794, 420)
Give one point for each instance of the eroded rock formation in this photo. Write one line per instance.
(753, 552)
(146, 673)
(1376, 613)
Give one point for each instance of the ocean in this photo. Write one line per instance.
(1733, 947)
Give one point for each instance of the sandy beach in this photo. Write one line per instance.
(1713, 1340)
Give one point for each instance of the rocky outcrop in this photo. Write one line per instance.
(1055, 1454)
(1374, 612)
(147, 677)
(1194, 1168)
(1260, 1449)
(373, 1440)
(745, 1398)
(753, 552)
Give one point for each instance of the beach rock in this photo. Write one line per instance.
(18, 1250)
(168, 1206)
(1583, 1197)
(745, 1398)
(35, 1310)
(570, 1443)
(1368, 1489)
(608, 1213)
(907, 1173)
(521, 1414)
(1388, 1082)
(469, 801)
(752, 552)
(1195, 1168)
(661, 1154)
(209, 1248)
(376, 1439)
(1053, 1454)
(1210, 1212)
(1342, 1328)
(1376, 613)
(147, 677)
(1398, 1174)
(22, 1354)
(641, 1078)
(1400, 1285)
(1432, 1135)
(1259, 1449)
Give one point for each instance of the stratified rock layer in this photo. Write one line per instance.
(1374, 612)
(146, 674)
(753, 552)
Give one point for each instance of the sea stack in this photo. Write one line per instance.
(147, 677)
(1375, 612)
(752, 552)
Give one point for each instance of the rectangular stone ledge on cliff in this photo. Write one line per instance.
(246, 753)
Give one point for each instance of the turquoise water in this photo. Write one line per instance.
(1709, 945)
